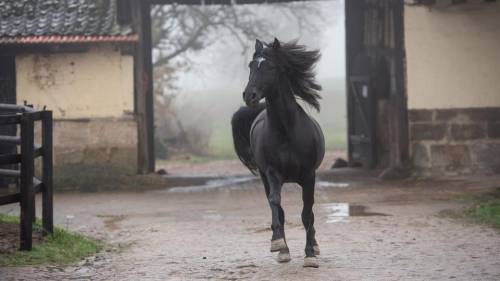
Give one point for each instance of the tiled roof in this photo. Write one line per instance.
(61, 21)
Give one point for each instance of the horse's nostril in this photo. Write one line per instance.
(254, 95)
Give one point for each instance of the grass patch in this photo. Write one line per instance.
(485, 209)
(480, 209)
(221, 143)
(61, 248)
(335, 139)
(220, 146)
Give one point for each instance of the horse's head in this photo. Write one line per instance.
(263, 73)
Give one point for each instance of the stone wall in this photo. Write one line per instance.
(96, 141)
(455, 141)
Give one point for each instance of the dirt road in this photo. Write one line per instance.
(222, 233)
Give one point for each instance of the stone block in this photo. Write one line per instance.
(494, 130)
(450, 157)
(479, 114)
(467, 131)
(420, 115)
(446, 114)
(420, 155)
(486, 156)
(427, 131)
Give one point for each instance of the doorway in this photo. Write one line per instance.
(376, 97)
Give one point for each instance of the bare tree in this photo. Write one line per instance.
(180, 29)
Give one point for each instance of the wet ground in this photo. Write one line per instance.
(368, 230)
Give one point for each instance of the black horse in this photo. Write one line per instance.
(278, 138)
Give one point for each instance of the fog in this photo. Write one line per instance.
(212, 89)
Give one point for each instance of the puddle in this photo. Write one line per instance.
(214, 184)
(325, 184)
(340, 212)
(212, 215)
(111, 222)
(197, 184)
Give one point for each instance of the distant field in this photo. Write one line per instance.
(332, 117)
(221, 142)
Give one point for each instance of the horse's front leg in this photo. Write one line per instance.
(312, 248)
(273, 183)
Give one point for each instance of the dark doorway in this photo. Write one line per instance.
(7, 95)
(376, 99)
(7, 79)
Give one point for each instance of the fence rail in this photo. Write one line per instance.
(24, 157)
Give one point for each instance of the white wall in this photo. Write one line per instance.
(453, 56)
(97, 83)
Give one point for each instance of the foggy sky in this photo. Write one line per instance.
(212, 90)
(223, 63)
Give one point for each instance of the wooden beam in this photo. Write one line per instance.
(26, 180)
(222, 2)
(143, 74)
(47, 174)
(403, 138)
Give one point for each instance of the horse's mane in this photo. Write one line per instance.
(298, 65)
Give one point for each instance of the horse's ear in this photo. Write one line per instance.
(258, 46)
(276, 43)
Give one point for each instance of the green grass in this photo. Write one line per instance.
(335, 139)
(479, 209)
(485, 209)
(61, 248)
(221, 143)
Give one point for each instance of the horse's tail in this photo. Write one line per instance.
(242, 122)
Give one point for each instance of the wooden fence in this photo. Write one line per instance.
(24, 158)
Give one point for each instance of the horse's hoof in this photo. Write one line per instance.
(278, 244)
(311, 262)
(316, 250)
(284, 256)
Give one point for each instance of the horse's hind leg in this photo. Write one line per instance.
(312, 248)
(272, 184)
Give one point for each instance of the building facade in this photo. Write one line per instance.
(453, 86)
(78, 61)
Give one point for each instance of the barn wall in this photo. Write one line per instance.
(452, 57)
(91, 96)
(97, 83)
(453, 88)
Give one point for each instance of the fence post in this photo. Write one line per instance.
(47, 173)
(26, 180)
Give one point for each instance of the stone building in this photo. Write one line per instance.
(453, 86)
(76, 59)
(423, 85)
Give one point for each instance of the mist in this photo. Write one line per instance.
(211, 90)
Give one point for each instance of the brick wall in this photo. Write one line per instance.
(455, 141)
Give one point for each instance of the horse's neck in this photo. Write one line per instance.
(281, 111)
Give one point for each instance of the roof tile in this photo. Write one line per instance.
(28, 18)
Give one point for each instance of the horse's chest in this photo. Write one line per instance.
(285, 159)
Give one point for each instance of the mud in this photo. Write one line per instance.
(9, 238)
(391, 232)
